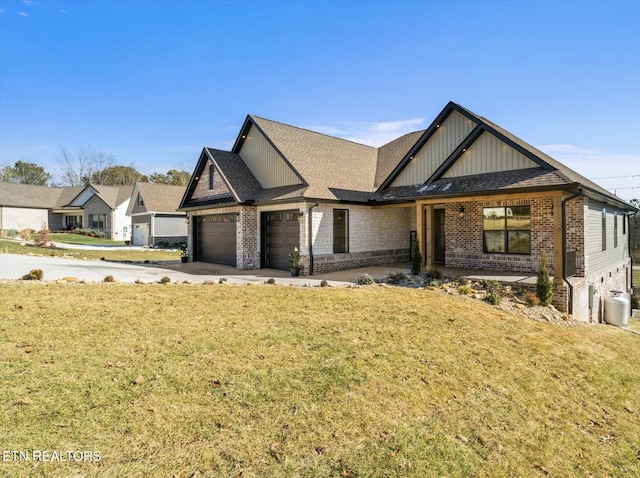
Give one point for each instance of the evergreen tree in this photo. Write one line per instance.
(416, 261)
(544, 287)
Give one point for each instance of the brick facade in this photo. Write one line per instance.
(247, 238)
(464, 236)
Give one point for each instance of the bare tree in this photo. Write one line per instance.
(79, 166)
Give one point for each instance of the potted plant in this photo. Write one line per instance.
(184, 254)
(295, 262)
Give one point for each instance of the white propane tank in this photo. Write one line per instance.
(616, 309)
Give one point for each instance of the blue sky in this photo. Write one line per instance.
(152, 82)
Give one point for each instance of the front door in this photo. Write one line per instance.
(439, 236)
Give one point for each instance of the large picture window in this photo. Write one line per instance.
(340, 230)
(507, 230)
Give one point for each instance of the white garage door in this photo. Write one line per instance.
(141, 234)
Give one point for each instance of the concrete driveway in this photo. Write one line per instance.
(14, 267)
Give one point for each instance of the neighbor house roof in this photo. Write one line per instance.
(160, 197)
(113, 196)
(29, 196)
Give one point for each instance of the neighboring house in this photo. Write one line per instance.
(25, 206)
(102, 208)
(96, 207)
(155, 220)
(474, 195)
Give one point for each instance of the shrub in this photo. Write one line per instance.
(531, 299)
(324, 283)
(463, 281)
(464, 290)
(43, 237)
(271, 281)
(36, 274)
(26, 234)
(109, 279)
(222, 280)
(493, 297)
(431, 282)
(433, 274)
(416, 260)
(165, 280)
(635, 301)
(544, 287)
(491, 285)
(11, 233)
(396, 277)
(365, 279)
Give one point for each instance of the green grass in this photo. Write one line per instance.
(258, 381)
(69, 238)
(10, 246)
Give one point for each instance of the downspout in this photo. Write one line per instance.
(311, 237)
(564, 248)
(629, 242)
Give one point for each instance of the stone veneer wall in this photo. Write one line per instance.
(169, 241)
(464, 236)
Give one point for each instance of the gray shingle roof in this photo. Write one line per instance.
(323, 161)
(29, 196)
(338, 169)
(521, 179)
(161, 197)
(113, 196)
(235, 172)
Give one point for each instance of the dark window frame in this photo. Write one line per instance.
(505, 231)
(212, 176)
(98, 221)
(340, 231)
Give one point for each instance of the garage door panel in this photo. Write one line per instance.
(282, 236)
(217, 239)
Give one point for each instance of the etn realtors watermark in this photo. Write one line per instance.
(51, 455)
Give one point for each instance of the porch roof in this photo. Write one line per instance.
(506, 181)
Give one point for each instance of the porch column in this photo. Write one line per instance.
(558, 259)
(428, 239)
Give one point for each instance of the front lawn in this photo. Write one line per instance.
(69, 238)
(11, 246)
(255, 381)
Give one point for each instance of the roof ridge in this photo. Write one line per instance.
(314, 132)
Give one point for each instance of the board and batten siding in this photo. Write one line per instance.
(488, 154)
(436, 150)
(170, 226)
(265, 162)
(597, 259)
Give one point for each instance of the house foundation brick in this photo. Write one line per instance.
(337, 262)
